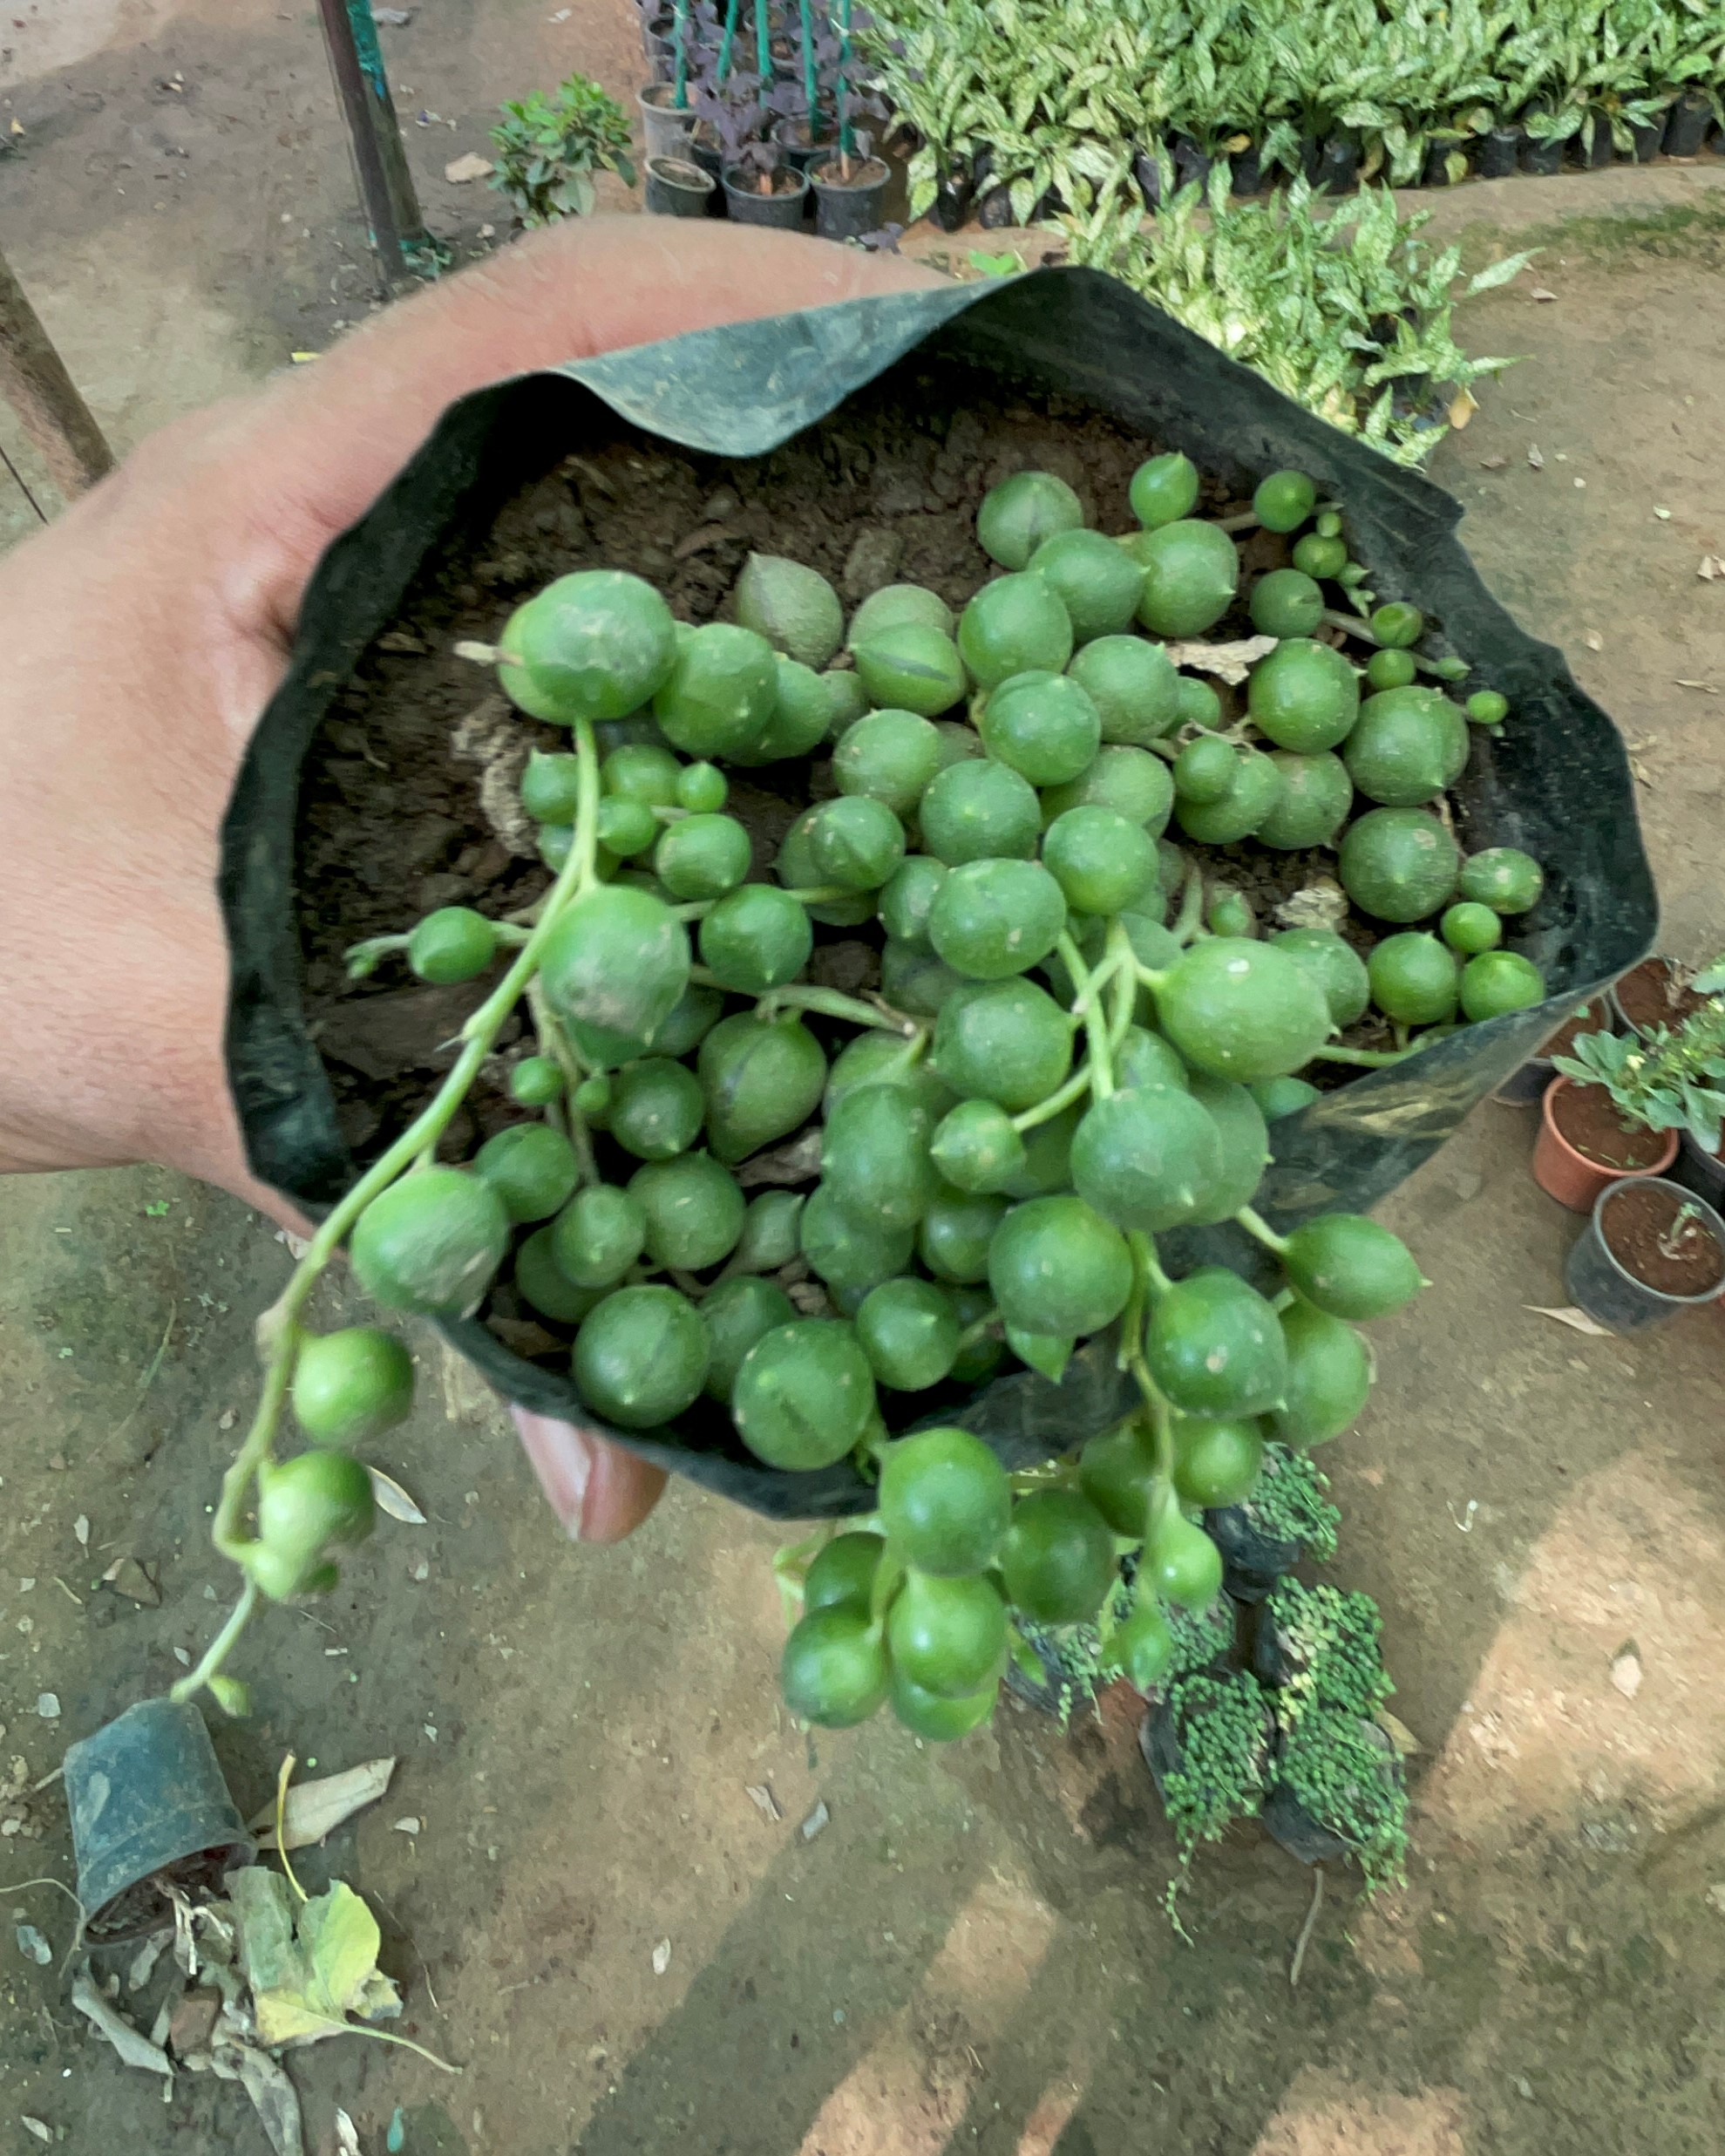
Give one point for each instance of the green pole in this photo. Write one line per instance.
(386, 190)
(763, 43)
(681, 34)
(844, 82)
(810, 89)
(726, 41)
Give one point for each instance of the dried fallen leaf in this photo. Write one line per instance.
(460, 170)
(1229, 661)
(347, 2136)
(1535, 460)
(1705, 687)
(1640, 771)
(316, 1809)
(662, 1957)
(1712, 565)
(134, 2049)
(80, 1527)
(296, 1245)
(763, 1800)
(1626, 1673)
(1664, 515)
(143, 1964)
(35, 2126)
(126, 1576)
(1578, 1321)
(1492, 463)
(1407, 1745)
(1593, 641)
(408, 1826)
(393, 1499)
(1463, 405)
(1541, 293)
(273, 2097)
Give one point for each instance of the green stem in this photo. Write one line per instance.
(978, 1329)
(549, 1029)
(726, 41)
(1190, 919)
(1144, 1251)
(763, 53)
(811, 85)
(1125, 990)
(279, 1328)
(1096, 1028)
(828, 1001)
(1257, 1226)
(1062, 1097)
(220, 1648)
(1369, 1059)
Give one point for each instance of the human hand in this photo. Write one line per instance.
(149, 628)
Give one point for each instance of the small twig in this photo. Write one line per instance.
(281, 1781)
(1307, 1928)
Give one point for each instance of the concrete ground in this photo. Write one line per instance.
(971, 1953)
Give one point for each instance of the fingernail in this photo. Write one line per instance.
(562, 1458)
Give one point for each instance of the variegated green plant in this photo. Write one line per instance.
(1064, 90)
(1348, 312)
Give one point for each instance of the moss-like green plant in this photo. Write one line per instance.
(1349, 1779)
(1331, 1633)
(1223, 1734)
(1290, 1504)
(550, 147)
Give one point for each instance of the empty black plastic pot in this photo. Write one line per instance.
(146, 1795)
(1700, 1171)
(1339, 164)
(1542, 159)
(994, 212)
(1687, 125)
(1246, 175)
(1500, 153)
(849, 204)
(782, 207)
(1148, 174)
(677, 188)
(1600, 1284)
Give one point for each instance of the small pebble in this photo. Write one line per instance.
(48, 1706)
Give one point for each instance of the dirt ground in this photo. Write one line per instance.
(971, 1953)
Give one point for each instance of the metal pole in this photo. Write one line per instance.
(34, 381)
(386, 190)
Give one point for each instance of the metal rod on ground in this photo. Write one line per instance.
(34, 381)
(386, 190)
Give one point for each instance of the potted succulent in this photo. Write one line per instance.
(548, 148)
(1651, 1248)
(1620, 1102)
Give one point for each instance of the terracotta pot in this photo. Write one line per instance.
(1571, 1177)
